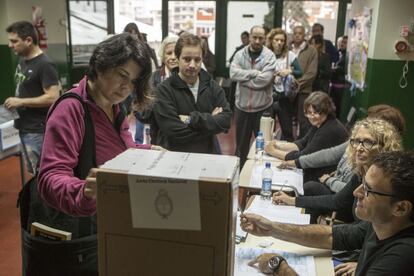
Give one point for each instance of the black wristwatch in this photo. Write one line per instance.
(274, 263)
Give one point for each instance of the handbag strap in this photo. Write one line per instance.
(87, 153)
(87, 157)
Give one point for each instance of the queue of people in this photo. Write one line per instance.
(365, 176)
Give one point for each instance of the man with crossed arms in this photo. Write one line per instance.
(252, 68)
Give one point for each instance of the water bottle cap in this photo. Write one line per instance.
(267, 164)
(259, 133)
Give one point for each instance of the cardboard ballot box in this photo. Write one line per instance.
(9, 136)
(167, 213)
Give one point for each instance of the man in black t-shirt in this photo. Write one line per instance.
(385, 236)
(37, 87)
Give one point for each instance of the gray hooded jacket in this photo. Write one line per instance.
(254, 79)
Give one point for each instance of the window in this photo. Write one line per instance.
(241, 16)
(145, 13)
(88, 27)
(196, 17)
(306, 13)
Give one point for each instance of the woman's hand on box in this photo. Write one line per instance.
(89, 190)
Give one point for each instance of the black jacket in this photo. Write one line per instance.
(321, 83)
(343, 201)
(174, 98)
(331, 133)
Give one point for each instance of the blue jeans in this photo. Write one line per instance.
(31, 148)
(139, 132)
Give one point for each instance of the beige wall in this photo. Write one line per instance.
(392, 15)
(357, 8)
(54, 12)
(388, 16)
(3, 21)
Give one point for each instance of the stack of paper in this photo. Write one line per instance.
(292, 178)
(280, 213)
(303, 265)
(266, 157)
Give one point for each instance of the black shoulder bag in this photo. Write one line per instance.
(78, 256)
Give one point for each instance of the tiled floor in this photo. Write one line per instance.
(10, 185)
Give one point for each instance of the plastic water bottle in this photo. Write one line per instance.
(147, 136)
(267, 175)
(260, 143)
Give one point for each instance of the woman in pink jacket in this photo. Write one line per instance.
(118, 67)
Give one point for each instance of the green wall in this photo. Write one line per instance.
(57, 52)
(382, 87)
(9, 62)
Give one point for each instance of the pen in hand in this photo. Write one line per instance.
(278, 193)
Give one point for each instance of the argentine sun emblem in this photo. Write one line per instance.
(163, 204)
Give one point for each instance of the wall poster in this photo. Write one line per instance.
(358, 49)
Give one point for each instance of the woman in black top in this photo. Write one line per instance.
(326, 132)
(369, 137)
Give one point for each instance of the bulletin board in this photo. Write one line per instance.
(359, 35)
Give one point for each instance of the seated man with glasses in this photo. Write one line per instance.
(326, 131)
(385, 235)
(368, 138)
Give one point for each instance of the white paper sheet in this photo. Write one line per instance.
(263, 156)
(7, 114)
(292, 178)
(130, 158)
(303, 265)
(285, 214)
(9, 136)
(161, 203)
(266, 204)
(171, 164)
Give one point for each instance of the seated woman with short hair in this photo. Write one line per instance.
(326, 131)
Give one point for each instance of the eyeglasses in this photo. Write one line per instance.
(366, 143)
(368, 191)
(312, 114)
